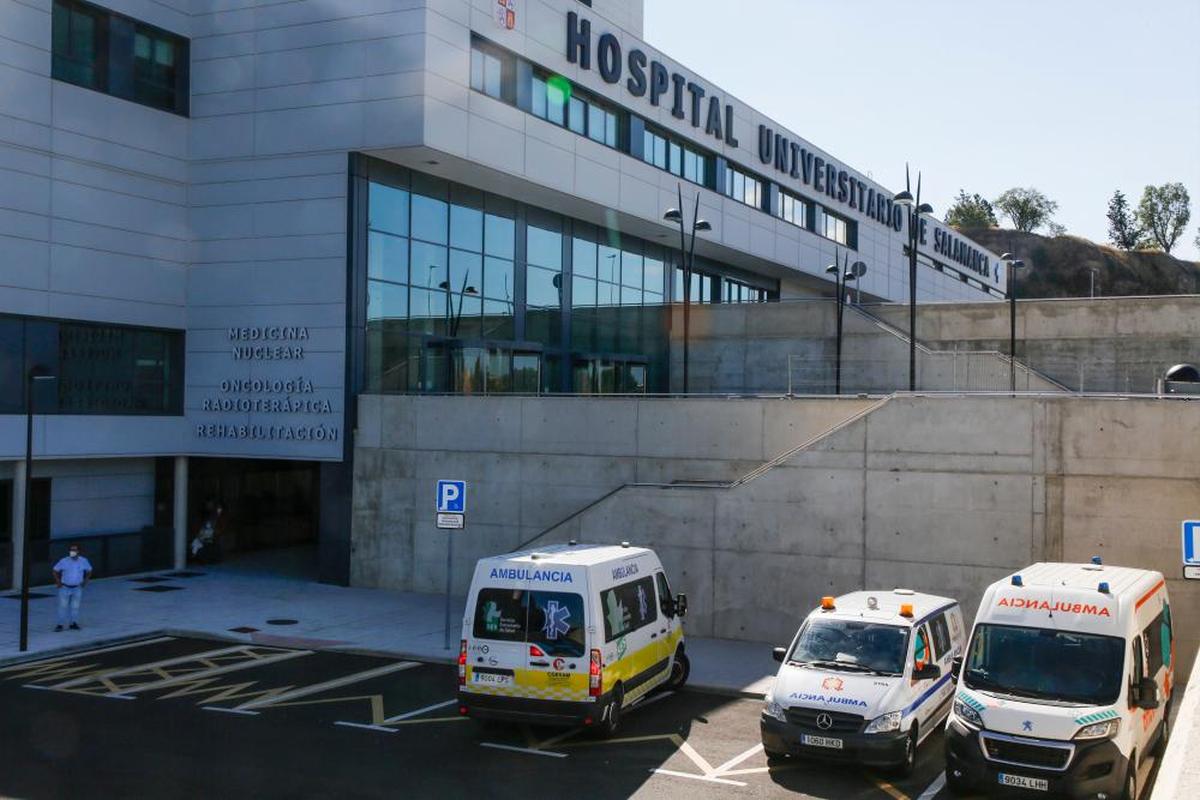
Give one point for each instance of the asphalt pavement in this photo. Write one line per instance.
(196, 717)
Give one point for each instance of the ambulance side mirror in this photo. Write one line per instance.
(956, 666)
(778, 653)
(681, 605)
(1147, 693)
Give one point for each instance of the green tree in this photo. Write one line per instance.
(971, 211)
(1123, 230)
(1055, 229)
(1028, 209)
(1164, 213)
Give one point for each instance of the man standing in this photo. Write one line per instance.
(71, 574)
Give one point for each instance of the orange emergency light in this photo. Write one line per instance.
(827, 603)
(906, 610)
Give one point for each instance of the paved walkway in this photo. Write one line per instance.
(235, 596)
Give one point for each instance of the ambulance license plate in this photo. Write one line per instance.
(491, 679)
(1021, 782)
(821, 741)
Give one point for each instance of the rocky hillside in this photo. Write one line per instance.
(1061, 266)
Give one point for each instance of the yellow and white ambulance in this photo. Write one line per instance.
(1066, 684)
(569, 634)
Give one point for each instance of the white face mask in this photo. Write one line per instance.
(74, 554)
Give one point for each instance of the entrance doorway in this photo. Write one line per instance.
(269, 512)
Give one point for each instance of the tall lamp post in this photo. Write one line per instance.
(842, 273)
(1012, 265)
(687, 255)
(36, 373)
(915, 209)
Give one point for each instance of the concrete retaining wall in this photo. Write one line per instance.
(532, 461)
(943, 494)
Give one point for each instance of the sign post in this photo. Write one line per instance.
(451, 516)
(1191, 549)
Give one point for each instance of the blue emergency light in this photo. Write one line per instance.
(1016, 581)
(1104, 587)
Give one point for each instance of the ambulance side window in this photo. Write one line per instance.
(1138, 670)
(1152, 640)
(1165, 634)
(665, 603)
(941, 635)
(922, 654)
(628, 607)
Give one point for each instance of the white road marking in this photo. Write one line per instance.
(317, 688)
(696, 777)
(495, 746)
(733, 762)
(168, 662)
(230, 711)
(215, 671)
(933, 789)
(418, 712)
(361, 725)
(655, 699)
(84, 654)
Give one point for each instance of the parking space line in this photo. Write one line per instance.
(655, 699)
(336, 683)
(257, 661)
(230, 711)
(696, 777)
(155, 665)
(733, 762)
(932, 790)
(83, 654)
(510, 747)
(360, 725)
(418, 712)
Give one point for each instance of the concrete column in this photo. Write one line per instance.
(181, 516)
(18, 522)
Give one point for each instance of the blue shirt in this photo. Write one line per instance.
(72, 570)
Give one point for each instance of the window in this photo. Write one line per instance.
(666, 603)
(922, 654)
(554, 99)
(1157, 641)
(628, 607)
(793, 209)
(501, 615)
(493, 71)
(837, 228)
(1011, 659)
(551, 620)
(675, 157)
(109, 52)
(941, 635)
(702, 287)
(743, 187)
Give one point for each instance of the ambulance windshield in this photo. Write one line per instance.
(851, 645)
(1045, 664)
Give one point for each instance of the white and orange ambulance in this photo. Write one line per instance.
(1066, 684)
(569, 634)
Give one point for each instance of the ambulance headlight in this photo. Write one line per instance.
(967, 715)
(773, 709)
(885, 724)
(1099, 730)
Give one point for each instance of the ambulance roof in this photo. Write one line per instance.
(1069, 596)
(572, 555)
(857, 605)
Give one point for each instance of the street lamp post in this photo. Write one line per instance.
(1092, 293)
(676, 215)
(915, 209)
(36, 373)
(842, 273)
(1012, 265)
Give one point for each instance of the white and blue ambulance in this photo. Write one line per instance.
(866, 679)
(1066, 685)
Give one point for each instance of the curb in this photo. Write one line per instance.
(1185, 735)
(58, 652)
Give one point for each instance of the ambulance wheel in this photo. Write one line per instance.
(612, 714)
(681, 667)
(905, 767)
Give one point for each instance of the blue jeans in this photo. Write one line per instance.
(68, 604)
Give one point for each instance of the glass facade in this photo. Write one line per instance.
(97, 369)
(670, 154)
(743, 187)
(471, 292)
(97, 49)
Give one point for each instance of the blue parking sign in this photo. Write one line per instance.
(452, 497)
(1191, 542)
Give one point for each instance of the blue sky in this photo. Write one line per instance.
(1074, 97)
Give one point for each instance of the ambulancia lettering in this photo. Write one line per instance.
(522, 574)
(624, 571)
(805, 697)
(1033, 604)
